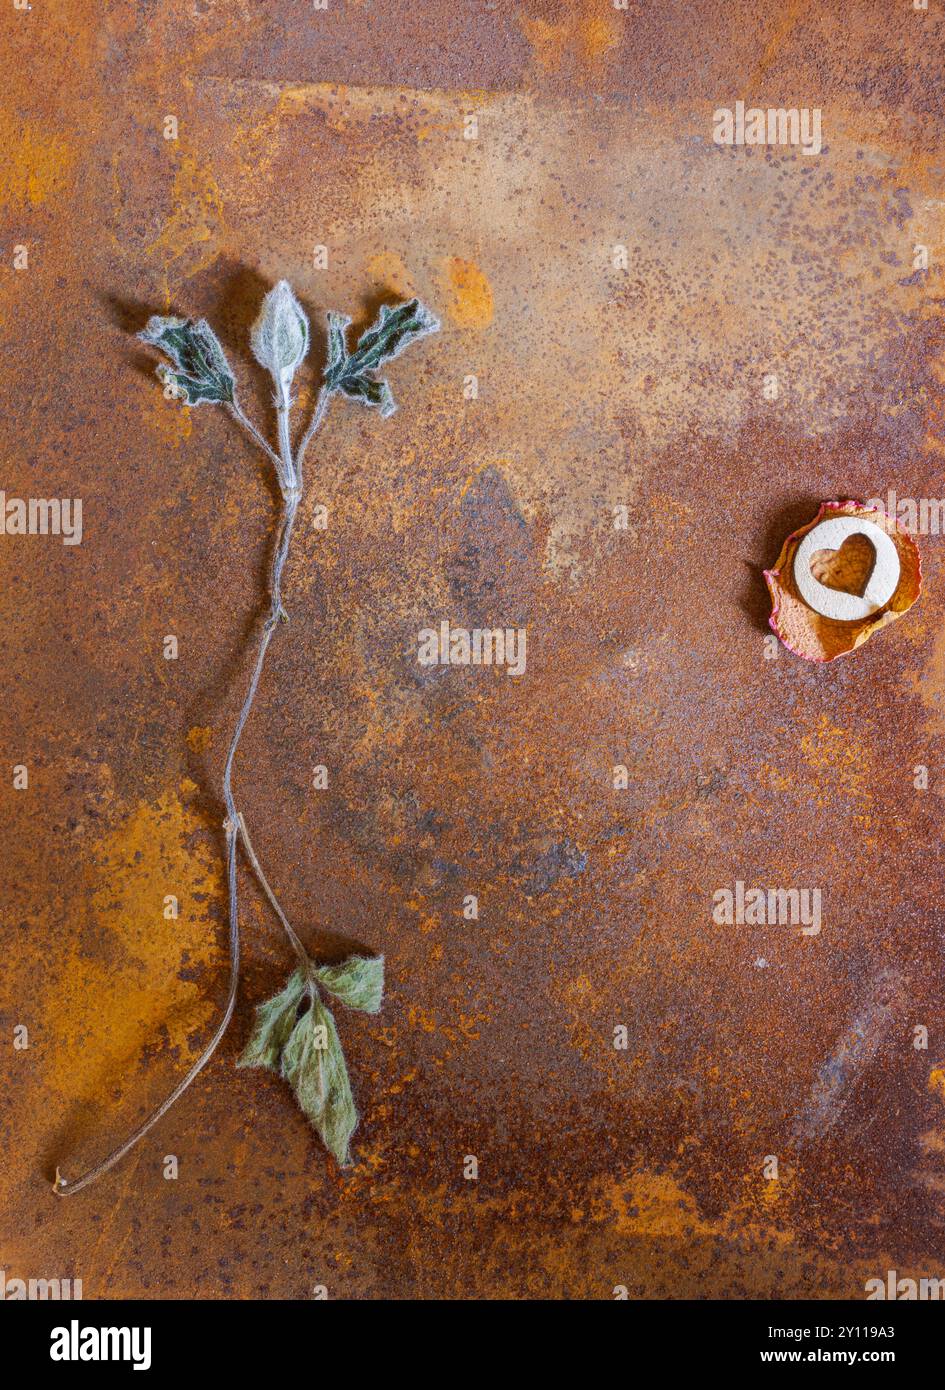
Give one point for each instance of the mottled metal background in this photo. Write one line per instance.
(598, 387)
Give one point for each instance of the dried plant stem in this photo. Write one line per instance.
(235, 826)
(318, 415)
(283, 406)
(236, 410)
(256, 867)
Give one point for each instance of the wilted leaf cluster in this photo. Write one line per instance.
(301, 1043)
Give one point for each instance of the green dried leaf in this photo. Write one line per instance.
(307, 1050)
(353, 373)
(314, 1065)
(275, 1020)
(337, 351)
(394, 329)
(368, 392)
(357, 982)
(202, 371)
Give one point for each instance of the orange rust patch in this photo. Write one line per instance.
(172, 421)
(598, 36)
(472, 304)
(839, 761)
(189, 240)
(34, 166)
(107, 1007)
(388, 270)
(586, 38)
(786, 23)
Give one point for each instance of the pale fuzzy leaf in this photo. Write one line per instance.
(353, 373)
(392, 331)
(357, 982)
(202, 372)
(275, 1020)
(319, 1077)
(280, 334)
(337, 351)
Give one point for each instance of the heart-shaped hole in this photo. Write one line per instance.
(848, 568)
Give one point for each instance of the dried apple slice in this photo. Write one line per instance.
(840, 578)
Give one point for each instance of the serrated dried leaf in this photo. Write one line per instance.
(314, 1065)
(394, 329)
(275, 1020)
(353, 373)
(202, 372)
(337, 351)
(357, 982)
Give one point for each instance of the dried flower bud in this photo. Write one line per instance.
(280, 335)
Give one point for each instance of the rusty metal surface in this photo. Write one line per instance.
(598, 387)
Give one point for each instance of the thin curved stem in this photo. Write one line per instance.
(242, 419)
(318, 415)
(234, 824)
(298, 948)
(283, 406)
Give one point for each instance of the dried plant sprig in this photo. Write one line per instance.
(306, 1050)
(303, 1046)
